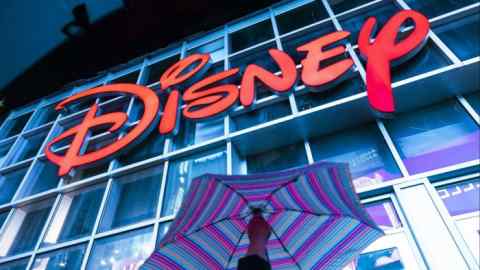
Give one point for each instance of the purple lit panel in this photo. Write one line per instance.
(461, 198)
(384, 215)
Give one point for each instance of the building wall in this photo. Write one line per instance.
(416, 172)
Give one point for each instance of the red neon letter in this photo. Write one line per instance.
(203, 103)
(169, 121)
(174, 74)
(277, 84)
(72, 157)
(385, 49)
(312, 74)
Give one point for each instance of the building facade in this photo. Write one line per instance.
(417, 171)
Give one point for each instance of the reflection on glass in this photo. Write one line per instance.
(384, 215)
(124, 251)
(250, 36)
(277, 159)
(162, 230)
(365, 151)
(214, 48)
(435, 137)
(68, 258)
(133, 198)
(75, 216)
(127, 78)
(461, 198)
(97, 168)
(181, 173)
(44, 176)
(462, 36)
(433, 8)
(15, 265)
(353, 23)
(429, 58)
(258, 56)
(291, 42)
(312, 98)
(9, 183)
(301, 16)
(32, 221)
(261, 115)
(3, 217)
(46, 115)
(156, 70)
(196, 132)
(386, 259)
(14, 126)
(4, 151)
(29, 146)
(474, 101)
(152, 146)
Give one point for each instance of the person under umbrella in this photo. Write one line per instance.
(302, 218)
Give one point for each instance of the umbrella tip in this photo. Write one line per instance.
(256, 211)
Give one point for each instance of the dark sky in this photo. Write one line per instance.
(37, 58)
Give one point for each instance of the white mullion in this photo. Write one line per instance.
(470, 110)
(46, 226)
(308, 151)
(101, 209)
(392, 148)
(229, 157)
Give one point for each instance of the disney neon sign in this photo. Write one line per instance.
(208, 97)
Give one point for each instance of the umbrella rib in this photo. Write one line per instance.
(285, 248)
(235, 248)
(269, 197)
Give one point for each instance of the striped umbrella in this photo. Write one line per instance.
(316, 219)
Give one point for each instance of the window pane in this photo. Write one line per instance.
(196, 132)
(3, 217)
(127, 78)
(214, 48)
(29, 146)
(133, 198)
(156, 70)
(474, 101)
(261, 115)
(4, 151)
(152, 146)
(291, 42)
(162, 230)
(75, 216)
(384, 215)
(181, 173)
(365, 151)
(16, 265)
(277, 159)
(301, 16)
(32, 224)
(44, 176)
(124, 251)
(461, 198)
(258, 56)
(68, 258)
(14, 126)
(97, 168)
(433, 8)
(251, 35)
(9, 182)
(340, 6)
(461, 36)
(313, 98)
(46, 115)
(435, 137)
(353, 22)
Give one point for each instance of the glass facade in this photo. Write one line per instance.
(111, 214)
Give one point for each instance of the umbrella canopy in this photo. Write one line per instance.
(316, 218)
